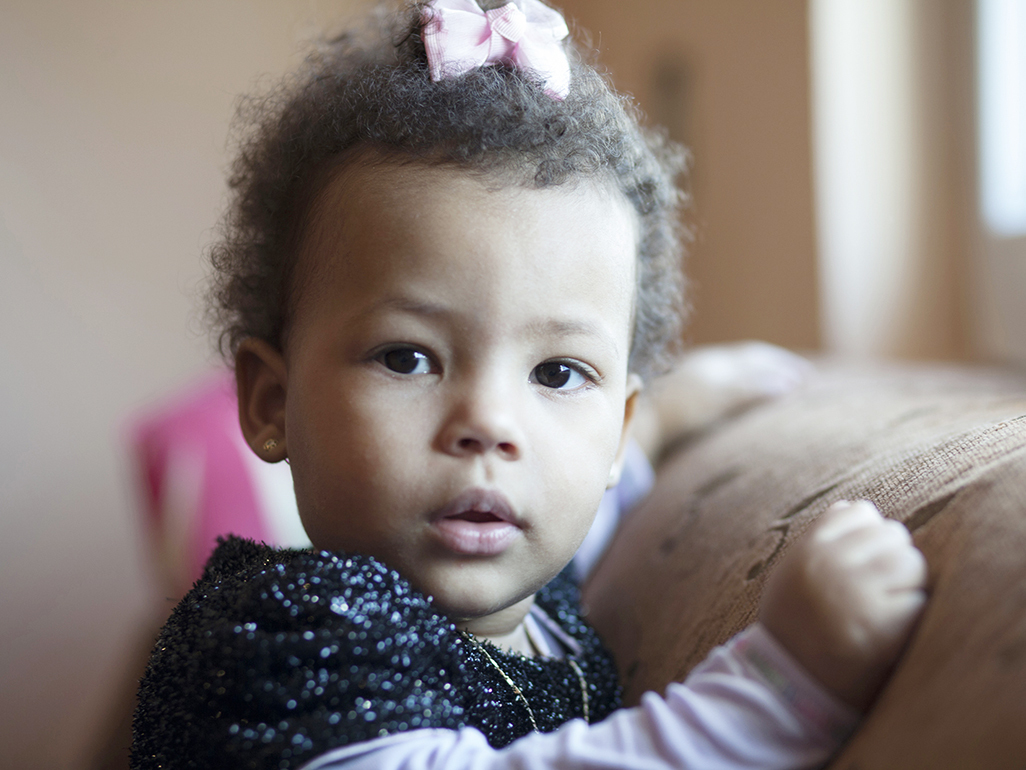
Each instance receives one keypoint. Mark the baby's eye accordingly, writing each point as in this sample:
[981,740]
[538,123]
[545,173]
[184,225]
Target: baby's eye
[556,374]
[406,361]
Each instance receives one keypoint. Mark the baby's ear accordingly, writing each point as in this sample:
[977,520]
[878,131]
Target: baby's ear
[634,388]
[261,378]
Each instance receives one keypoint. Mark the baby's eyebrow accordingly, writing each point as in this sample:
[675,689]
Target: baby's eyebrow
[566,327]
[541,327]
[412,306]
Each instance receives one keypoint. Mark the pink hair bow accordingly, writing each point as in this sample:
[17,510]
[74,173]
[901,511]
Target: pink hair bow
[460,37]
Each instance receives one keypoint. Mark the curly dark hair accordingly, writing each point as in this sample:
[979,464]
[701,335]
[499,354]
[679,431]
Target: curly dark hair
[370,89]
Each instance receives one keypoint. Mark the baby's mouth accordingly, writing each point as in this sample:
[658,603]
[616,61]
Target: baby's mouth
[479,522]
[476,516]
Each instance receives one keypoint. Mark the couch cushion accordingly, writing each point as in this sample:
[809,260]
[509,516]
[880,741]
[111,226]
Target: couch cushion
[942,449]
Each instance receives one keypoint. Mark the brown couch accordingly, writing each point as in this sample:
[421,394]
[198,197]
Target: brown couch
[941,449]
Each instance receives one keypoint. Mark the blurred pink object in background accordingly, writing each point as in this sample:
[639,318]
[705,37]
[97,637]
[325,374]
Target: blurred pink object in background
[199,480]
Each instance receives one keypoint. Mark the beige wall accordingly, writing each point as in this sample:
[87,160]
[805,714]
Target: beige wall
[112,136]
[856,275]
[731,78]
[893,126]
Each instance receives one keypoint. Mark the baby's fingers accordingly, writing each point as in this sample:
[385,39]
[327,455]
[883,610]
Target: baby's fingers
[846,516]
[904,603]
[905,568]
[878,552]
[887,554]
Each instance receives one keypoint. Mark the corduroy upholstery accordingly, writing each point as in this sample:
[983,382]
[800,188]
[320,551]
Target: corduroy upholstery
[942,449]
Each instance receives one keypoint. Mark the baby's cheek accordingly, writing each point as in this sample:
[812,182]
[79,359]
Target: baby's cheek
[330,501]
[584,474]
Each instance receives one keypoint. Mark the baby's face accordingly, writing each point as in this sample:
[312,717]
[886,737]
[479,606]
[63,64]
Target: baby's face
[457,388]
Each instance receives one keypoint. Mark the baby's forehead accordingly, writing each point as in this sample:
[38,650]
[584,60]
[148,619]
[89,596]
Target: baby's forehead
[399,190]
[381,223]
[391,175]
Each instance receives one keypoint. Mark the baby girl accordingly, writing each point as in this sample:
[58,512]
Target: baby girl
[451,262]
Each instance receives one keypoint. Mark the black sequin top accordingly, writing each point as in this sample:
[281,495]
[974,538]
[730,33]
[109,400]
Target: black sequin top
[277,656]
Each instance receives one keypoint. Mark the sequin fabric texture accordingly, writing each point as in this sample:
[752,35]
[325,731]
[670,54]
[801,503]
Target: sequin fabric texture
[276,656]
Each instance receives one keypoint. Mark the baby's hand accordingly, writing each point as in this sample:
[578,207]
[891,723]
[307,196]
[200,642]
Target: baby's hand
[743,373]
[713,382]
[845,598]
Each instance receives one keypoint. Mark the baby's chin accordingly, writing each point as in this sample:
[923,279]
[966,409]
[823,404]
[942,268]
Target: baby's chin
[481,606]
[493,622]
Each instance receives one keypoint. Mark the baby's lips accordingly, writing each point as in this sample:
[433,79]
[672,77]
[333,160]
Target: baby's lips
[479,523]
[479,504]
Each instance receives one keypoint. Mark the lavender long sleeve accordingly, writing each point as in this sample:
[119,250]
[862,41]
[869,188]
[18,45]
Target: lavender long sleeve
[748,705]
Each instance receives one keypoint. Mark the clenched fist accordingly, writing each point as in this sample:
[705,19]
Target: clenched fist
[845,597]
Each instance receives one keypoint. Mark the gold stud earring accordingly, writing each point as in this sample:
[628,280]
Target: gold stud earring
[270,444]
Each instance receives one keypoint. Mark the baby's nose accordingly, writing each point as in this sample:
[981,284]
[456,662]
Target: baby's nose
[481,442]
[480,423]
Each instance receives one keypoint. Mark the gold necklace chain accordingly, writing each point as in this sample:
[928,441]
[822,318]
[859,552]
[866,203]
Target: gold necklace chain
[584,688]
[512,685]
[573,664]
[519,693]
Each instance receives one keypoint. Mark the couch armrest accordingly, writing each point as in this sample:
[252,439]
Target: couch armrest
[942,449]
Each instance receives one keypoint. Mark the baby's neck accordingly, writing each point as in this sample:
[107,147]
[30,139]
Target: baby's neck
[505,628]
[516,641]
